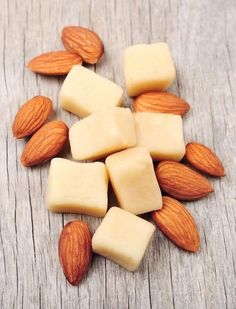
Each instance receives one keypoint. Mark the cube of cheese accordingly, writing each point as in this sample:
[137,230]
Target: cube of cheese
[133,179]
[123,238]
[85,92]
[77,187]
[148,67]
[102,133]
[161,134]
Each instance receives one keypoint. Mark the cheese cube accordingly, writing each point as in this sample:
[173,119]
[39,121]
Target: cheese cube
[148,67]
[161,134]
[102,133]
[133,179]
[77,187]
[123,238]
[85,92]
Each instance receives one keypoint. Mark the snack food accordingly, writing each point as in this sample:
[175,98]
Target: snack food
[84,42]
[133,179]
[161,134]
[102,133]
[84,92]
[54,63]
[77,187]
[45,144]
[123,238]
[148,67]
[160,102]
[204,159]
[155,132]
[75,250]
[31,116]
[176,222]
[181,182]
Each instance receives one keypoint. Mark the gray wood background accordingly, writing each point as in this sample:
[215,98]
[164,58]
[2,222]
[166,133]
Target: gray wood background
[202,38]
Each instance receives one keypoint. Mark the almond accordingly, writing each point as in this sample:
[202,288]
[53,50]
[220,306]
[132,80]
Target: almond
[45,143]
[31,116]
[160,102]
[174,220]
[204,159]
[54,63]
[181,182]
[75,250]
[83,42]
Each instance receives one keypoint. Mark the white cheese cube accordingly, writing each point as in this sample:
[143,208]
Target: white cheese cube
[134,181]
[102,133]
[161,134]
[148,67]
[77,187]
[85,92]
[123,238]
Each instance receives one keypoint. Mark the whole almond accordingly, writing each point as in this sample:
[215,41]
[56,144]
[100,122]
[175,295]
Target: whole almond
[181,182]
[54,63]
[83,42]
[75,250]
[174,220]
[160,102]
[31,116]
[45,144]
[204,159]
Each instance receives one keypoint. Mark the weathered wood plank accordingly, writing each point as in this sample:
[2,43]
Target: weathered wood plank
[202,38]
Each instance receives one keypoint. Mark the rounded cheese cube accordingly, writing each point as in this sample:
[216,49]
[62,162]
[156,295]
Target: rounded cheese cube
[102,133]
[85,92]
[134,181]
[161,134]
[77,187]
[148,67]
[123,238]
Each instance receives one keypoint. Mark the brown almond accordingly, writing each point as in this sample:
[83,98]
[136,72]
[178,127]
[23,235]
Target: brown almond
[31,116]
[175,221]
[83,42]
[75,250]
[181,182]
[160,102]
[204,159]
[45,144]
[54,63]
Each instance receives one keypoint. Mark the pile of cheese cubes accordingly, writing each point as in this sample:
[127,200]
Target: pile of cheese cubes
[129,142]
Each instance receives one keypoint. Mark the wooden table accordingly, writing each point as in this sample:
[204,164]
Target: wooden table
[202,38]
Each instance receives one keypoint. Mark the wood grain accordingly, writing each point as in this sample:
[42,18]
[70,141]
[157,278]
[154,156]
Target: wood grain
[201,35]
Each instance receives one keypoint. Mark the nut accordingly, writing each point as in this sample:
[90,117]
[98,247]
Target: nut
[75,250]
[83,42]
[45,143]
[31,116]
[204,159]
[54,63]
[160,102]
[174,220]
[181,182]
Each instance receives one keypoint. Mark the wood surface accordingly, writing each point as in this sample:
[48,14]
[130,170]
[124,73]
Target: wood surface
[202,38]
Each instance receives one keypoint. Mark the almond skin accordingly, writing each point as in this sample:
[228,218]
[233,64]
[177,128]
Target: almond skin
[31,116]
[204,159]
[83,42]
[181,182]
[54,63]
[160,102]
[45,144]
[75,250]
[174,220]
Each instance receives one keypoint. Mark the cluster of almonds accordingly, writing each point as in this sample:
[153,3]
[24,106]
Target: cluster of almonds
[177,180]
